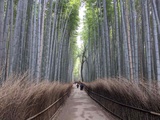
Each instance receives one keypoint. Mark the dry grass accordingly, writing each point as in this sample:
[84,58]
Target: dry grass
[20,99]
[128,93]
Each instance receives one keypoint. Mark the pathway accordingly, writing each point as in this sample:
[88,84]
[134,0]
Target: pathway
[79,106]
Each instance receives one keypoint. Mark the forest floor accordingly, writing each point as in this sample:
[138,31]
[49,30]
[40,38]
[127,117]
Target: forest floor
[79,106]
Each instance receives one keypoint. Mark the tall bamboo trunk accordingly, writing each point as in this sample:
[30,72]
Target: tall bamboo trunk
[156,46]
[117,38]
[41,45]
[148,44]
[126,50]
[1,31]
[107,39]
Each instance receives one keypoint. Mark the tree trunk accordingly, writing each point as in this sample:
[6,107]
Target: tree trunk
[148,45]
[156,46]
[41,47]
[107,39]
[135,37]
[1,31]
[117,38]
[126,54]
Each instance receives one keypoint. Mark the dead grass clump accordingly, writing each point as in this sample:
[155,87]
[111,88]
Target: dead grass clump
[20,99]
[127,93]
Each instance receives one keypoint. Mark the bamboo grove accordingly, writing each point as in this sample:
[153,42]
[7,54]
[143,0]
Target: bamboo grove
[122,39]
[37,36]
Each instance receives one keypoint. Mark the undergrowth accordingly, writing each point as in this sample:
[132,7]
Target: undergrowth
[142,96]
[21,99]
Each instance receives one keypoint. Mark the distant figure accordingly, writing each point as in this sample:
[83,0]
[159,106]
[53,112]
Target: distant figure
[81,86]
[77,85]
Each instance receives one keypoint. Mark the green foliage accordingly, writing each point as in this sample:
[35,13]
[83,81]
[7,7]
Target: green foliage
[93,17]
[110,10]
[73,18]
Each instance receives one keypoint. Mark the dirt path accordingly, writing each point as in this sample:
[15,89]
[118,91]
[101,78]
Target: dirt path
[80,106]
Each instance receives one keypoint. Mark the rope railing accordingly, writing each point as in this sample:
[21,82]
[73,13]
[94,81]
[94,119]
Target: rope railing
[107,109]
[46,109]
[119,103]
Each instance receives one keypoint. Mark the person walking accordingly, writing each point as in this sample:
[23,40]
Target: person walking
[81,86]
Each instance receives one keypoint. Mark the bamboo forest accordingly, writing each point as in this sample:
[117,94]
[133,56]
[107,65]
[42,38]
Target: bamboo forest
[79,59]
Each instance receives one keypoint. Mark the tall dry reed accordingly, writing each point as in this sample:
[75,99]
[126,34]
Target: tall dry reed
[129,93]
[21,99]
